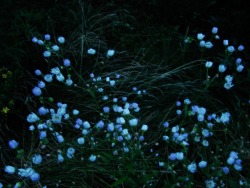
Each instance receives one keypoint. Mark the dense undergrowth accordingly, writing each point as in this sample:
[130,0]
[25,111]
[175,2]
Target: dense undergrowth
[106,105]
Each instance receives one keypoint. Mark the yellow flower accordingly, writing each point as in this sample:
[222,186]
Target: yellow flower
[4,75]
[5,110]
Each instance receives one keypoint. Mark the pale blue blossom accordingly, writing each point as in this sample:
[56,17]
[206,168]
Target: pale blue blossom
[69,82]
[46,53]
[34,39]
[86,125]
[48,77]
[47,36]
[228,85]
[202,164]
[75,112]
[110,53]
[70,152]
[229,78]
[222,68]
[225,170]
[56,118]
[192,167]
[60,77]
[35,177]
[172,157]
[92,158]
[13,144]
[55,48]
[209,64]
[61,39]
[66,62]
[25,172]
[200,36]
[144,127]
[240,68]
[187,101]
[42,135]
[133,122]
[81,140]
[202,43]
[37,91]
[10,169]
[38,72]
[41,84]
[215,30]
[230,49]
[37,159]
[210,184]
[205,143]
[225,117]
[60,158]
[91,51]
[238,61]
[179,155]
[225,42]
[32,118]
[120,120]
[208,45]
[100,124]
[40,42]
[241,48]
[111,127]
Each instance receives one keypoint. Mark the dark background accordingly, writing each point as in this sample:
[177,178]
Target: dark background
[22,19]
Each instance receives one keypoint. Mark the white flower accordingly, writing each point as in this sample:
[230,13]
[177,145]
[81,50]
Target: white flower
[209,64]
[200,36]
[69,82]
